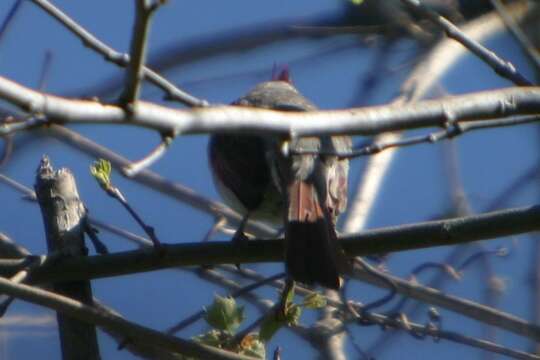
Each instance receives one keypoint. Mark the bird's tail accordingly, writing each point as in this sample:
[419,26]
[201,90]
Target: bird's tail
[312,254]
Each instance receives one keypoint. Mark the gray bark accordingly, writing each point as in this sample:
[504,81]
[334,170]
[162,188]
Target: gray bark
[64,219]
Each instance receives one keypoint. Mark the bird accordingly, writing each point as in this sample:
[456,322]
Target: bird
[305,190]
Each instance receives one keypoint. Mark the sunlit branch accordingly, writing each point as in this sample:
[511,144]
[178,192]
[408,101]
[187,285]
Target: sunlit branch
[491,105]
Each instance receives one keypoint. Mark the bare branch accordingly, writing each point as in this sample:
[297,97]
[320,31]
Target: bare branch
[136,167]
[89,40]
[13,11]
[422,293]
[11,127]
[501,67]
[518,34]
[237,293]
[144,10]
[155,181]
[399,238]
[121,263]
[100,318]
[361,121]
[444,55]
[10,249]
[145,177]
[101,170]
[477,311]
[421,331]
[450,132]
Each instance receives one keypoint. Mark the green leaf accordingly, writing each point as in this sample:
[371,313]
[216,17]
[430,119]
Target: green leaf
[224,314]
[252,345]
[289,296]
[101,171]
[293,315]
[314,301]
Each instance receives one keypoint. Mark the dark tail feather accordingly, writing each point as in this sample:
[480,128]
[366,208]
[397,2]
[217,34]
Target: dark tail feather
[312,254]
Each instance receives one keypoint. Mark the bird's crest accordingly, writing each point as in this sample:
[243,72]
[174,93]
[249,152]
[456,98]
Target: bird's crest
[281,73]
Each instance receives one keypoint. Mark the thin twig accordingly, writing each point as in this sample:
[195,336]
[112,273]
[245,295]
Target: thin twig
[501,67]
[115,193]
[155,181]
[445,269]
[383,278]
[144,10]
[172,92]
[479,312]
[452,131]
[201,48]
[392,321]
[136,167]
[481,254]
[129,329]
[10,249]
[428,72]
[13,11]
[45,70]
[419,331]
[517,33]
[145,177]
[9,128]
[237,293]
[458,252]
[22,275]
[7,150]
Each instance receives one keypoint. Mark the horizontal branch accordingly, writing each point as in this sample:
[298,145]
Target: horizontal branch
[399,238]
[362,121]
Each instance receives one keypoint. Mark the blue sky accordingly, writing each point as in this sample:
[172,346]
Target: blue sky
[329,74]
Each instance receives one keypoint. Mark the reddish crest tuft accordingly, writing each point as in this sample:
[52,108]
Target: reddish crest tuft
[281,73]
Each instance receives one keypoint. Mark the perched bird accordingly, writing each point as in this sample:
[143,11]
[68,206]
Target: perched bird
[304,191]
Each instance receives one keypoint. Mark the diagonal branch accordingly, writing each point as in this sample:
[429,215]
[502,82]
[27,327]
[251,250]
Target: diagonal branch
[148,178]
[116,323]
[522,39]
[501,67]
[116,57]
[136,167]
[443,56]
[420,332]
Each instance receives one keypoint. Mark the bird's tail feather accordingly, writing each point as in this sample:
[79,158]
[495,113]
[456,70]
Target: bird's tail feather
[312,253]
